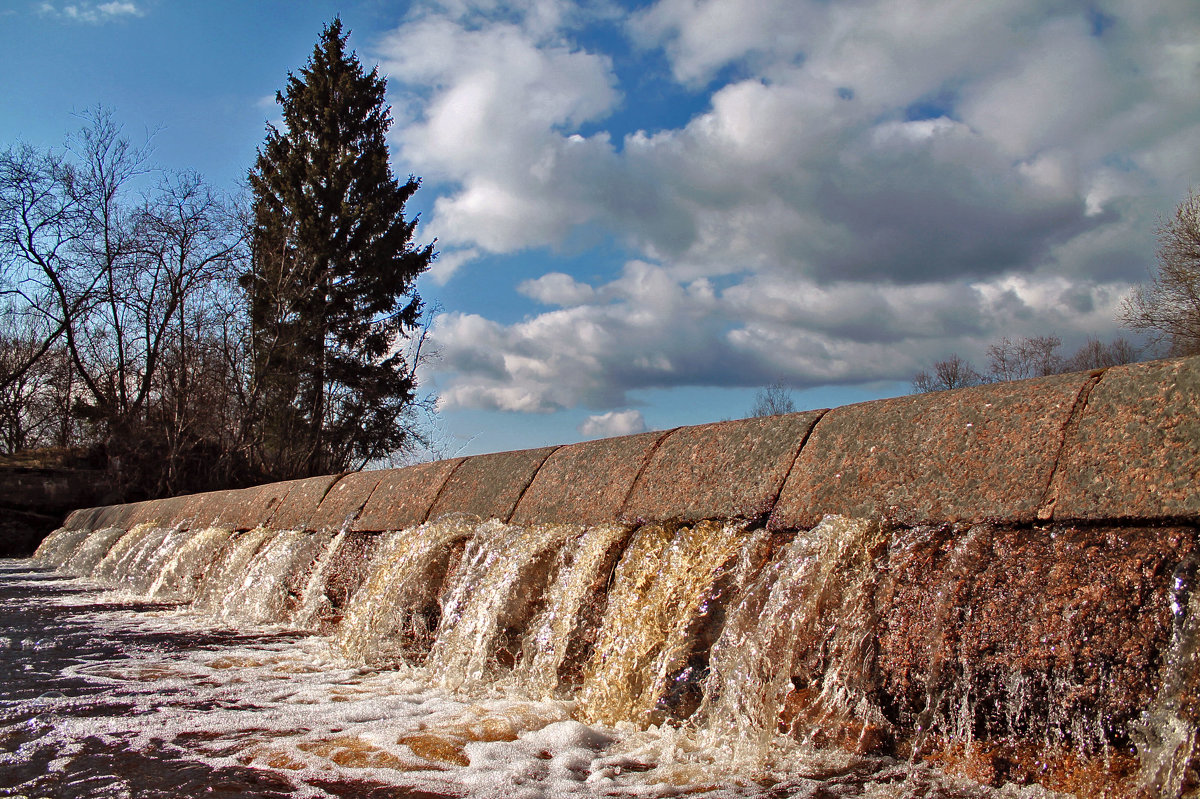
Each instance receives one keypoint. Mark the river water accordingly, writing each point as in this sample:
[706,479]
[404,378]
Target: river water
[106,694]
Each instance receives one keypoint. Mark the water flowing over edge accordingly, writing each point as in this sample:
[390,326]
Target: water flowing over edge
[981,649]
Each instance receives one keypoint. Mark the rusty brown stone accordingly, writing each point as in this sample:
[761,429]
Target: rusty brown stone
[1063,625]
[345,499]
[296,510]
[1135,453]
[199,511]
[118,515]
[725,470]
[83,519]
[489,486]
[247,508]
[586,483]
[347,572]
[404,496]
[806,717]
[976,453]
[160,512]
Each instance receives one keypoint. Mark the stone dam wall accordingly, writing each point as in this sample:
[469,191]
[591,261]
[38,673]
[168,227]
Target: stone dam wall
[1120,445]
[1001,579]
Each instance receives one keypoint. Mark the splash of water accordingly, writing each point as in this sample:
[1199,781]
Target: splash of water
[392,617]
[662,589]
[180,577]
[494,592]
[89,554]
[557,637]
[1170,729]
[59,545]
[798,644]
[230,570]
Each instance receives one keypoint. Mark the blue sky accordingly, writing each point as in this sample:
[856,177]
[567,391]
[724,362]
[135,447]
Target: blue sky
[647,210]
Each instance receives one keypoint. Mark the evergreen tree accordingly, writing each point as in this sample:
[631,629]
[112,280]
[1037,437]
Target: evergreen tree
[331,286]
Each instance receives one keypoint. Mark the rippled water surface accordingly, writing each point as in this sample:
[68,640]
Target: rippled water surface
[106,695]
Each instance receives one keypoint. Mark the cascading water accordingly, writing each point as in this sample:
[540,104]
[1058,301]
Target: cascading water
[495,590]
[809,670]
[662,588]
[1170,740]
[713,657]
[392,617]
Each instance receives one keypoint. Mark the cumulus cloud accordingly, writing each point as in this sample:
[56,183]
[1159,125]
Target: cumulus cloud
[877,184]
[613,423]
[93,13]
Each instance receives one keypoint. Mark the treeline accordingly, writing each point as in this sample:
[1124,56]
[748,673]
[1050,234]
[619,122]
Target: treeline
[1021,358]
[1166,310]
[186,340]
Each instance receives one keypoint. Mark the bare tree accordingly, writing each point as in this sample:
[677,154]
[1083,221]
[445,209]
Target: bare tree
[773,400]
[953,372]
[1168,307]
[1025,357]
[35,393]
[42,222]
[137,294]
[1095,354]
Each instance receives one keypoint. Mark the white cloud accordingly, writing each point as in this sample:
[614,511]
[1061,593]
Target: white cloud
[613,423]
[91,12]
[881,184]
[649,329]
[449,261]
[557,288]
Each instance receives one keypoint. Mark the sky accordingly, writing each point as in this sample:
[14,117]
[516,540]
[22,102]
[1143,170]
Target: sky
[647,210]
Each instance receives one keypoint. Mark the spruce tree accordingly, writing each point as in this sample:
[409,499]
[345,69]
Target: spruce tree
[331,286]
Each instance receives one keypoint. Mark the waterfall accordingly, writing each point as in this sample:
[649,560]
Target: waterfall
[810,668]
[182,574]
[856,635]
[392,617]
[1170,742]
[664,588]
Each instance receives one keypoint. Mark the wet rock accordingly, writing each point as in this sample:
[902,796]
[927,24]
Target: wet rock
[998,632]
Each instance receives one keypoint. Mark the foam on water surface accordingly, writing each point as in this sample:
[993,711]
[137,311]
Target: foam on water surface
[712,658]
[118,696]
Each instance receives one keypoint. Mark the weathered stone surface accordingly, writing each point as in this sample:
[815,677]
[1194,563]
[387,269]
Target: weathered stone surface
[586,483]
[1059,629]
[725,470]
[199,511]
[116,515]
[404,496]
[984,452]
[160,512]
[489,486]
[83,519]
[345,499]
[247,508]
[296,510]
[1135,453]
